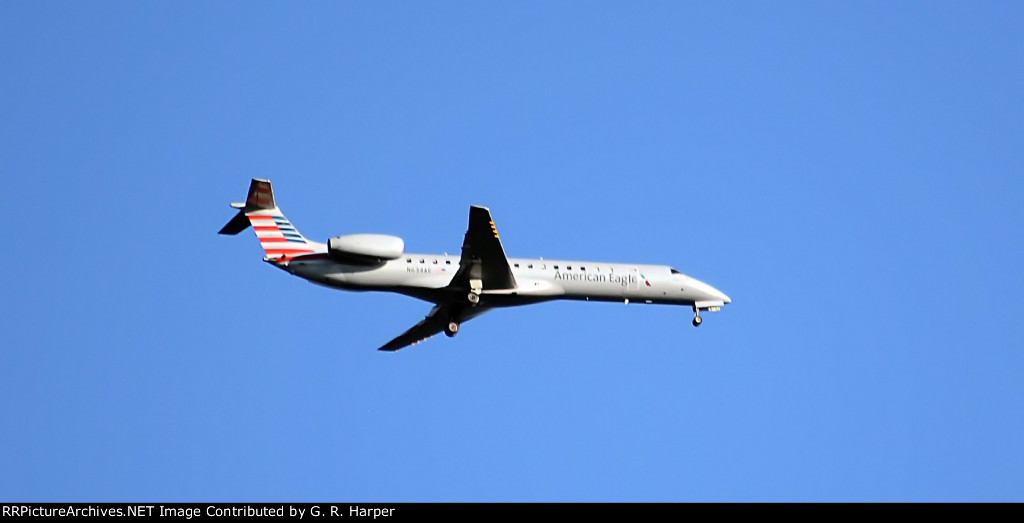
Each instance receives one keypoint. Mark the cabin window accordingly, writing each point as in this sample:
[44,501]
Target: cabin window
[568,268]
[530,266]
[447,262]
[408,260]
[583,268]
[435,262]
[422,260]
[555,267]
[516,265]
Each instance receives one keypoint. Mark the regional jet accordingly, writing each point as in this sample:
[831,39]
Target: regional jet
[460,287]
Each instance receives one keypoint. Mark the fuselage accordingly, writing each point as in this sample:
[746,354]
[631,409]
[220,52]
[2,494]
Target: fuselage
[427,277]
[482,277]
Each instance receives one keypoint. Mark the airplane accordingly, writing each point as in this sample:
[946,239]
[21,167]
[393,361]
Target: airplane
[460,287]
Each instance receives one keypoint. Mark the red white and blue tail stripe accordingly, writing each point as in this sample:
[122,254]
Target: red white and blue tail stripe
[278,237]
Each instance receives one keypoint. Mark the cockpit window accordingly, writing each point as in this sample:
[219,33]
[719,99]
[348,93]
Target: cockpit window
[675,271]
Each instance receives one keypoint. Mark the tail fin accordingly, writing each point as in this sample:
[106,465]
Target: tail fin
[278,237]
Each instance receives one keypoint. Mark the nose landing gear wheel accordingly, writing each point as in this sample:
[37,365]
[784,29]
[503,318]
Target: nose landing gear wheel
[697,319]
[452,329]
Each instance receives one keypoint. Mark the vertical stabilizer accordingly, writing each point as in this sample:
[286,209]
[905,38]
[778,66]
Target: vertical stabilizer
[278,237]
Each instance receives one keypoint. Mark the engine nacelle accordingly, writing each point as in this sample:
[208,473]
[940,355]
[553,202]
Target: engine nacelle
[365,248]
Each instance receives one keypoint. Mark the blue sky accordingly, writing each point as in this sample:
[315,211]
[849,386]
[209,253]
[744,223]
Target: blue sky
[850,174]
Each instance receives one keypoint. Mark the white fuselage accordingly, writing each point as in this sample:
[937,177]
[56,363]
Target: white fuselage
[427,276]
[461,287]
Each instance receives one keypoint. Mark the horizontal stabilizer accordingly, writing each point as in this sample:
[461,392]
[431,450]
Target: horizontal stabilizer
[260,197]
[237,224]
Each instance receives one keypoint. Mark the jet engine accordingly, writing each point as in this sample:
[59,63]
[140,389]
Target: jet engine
[365,248]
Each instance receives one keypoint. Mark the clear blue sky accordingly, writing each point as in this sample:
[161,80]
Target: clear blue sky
[849,173]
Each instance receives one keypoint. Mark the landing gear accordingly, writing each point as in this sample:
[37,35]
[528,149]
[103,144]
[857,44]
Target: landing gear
[696,317]
[452,329]
[475,288]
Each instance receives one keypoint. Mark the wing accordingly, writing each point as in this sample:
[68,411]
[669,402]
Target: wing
[483,257]
[429,326]
[434,323]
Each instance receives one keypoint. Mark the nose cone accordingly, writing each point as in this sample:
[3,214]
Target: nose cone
[723,296]
[710,293]
[716,294]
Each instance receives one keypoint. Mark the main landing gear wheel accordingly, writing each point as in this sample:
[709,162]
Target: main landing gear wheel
[473,298]
[452,329]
